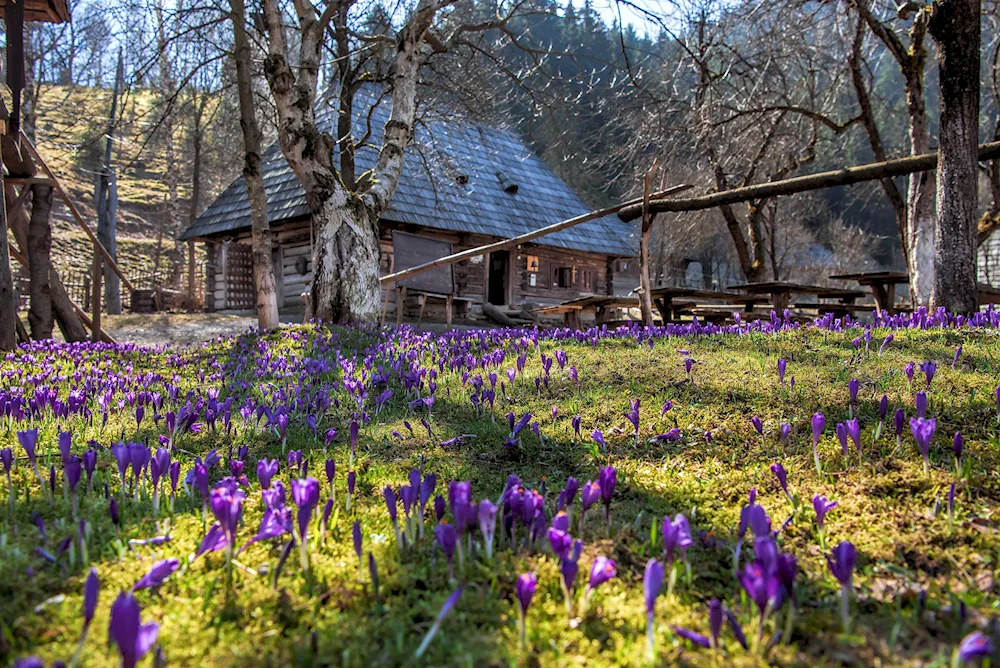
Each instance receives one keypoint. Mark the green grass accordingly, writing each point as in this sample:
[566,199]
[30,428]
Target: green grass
[886,510]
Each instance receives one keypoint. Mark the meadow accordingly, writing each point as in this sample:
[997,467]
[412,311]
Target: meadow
[765,493]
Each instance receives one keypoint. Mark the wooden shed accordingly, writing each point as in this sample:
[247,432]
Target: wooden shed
[463,185]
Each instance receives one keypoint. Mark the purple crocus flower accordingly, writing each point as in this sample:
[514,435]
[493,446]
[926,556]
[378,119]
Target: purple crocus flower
[822,506]
[561,542]
[305,493]
[447,538]
[854,431]
[524,589]
[157,575]
[126,630]
[818,425]
[957,444]
[841,563]
[853,386]
[779,472]
[575,421]
[923,433]
[28,440]
[975,646]
[921,403]
[908,370]
[598,438]
[266,469]
[841,431]
[91,590]
[602,570]
[589,494]
[487,524]
[607,478]
[652,584]
[676,536]
[885,342]
[929,368]
[757,425]
[782,365]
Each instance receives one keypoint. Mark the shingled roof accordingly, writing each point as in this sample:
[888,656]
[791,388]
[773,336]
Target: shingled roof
[458,176]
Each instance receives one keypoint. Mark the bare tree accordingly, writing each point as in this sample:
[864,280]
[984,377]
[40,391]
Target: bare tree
[917,233]
[263,269]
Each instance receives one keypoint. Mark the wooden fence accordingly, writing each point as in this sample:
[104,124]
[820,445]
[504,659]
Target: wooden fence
[78,286]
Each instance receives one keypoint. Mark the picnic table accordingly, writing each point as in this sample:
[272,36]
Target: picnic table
[882,283]
[665,300]
[780,291]
[602,306]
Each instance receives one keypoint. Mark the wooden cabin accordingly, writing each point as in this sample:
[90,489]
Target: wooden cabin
[463,186]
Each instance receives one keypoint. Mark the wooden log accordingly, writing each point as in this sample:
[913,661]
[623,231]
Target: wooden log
[838,177]
[95,295]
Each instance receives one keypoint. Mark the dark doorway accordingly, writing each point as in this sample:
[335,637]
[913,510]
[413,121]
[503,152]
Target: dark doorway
[496,291]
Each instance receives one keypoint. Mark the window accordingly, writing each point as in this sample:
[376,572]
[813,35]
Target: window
[533,263]
[565,277]
[587,280]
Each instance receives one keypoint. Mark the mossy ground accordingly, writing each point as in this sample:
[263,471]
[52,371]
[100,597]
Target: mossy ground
[886,508]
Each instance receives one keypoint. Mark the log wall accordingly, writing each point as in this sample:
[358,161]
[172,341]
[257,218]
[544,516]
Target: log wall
[587,273]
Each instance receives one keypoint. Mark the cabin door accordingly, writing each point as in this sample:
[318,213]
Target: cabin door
[499,278]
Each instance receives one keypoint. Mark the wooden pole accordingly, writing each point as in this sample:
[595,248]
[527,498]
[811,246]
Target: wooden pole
[839,177]
[190,295]
[645,299]
[8,305]
[524,238]
[76,213]
[95,296]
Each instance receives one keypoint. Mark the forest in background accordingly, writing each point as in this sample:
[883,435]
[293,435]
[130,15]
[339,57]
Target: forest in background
[706,92]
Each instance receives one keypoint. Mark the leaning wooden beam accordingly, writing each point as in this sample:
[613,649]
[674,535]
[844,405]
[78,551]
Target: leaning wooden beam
[76,213]
[799,184]
[70,317]
[524,238]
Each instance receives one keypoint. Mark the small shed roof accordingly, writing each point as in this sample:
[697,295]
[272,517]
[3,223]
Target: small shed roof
[458,176]
[46,11]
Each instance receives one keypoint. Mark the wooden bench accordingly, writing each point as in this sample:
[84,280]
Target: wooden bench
[419,299]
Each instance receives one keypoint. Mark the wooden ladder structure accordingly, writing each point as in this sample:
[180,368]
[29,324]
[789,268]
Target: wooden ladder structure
[21,164]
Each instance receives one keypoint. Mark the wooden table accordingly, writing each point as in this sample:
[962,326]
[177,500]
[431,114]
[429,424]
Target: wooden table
[882,283]
[663,298]
[602,306]
[781,290]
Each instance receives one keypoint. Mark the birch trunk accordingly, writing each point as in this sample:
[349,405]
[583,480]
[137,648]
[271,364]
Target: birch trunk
[260,228]
[919,204]
[955,26]
[346,250]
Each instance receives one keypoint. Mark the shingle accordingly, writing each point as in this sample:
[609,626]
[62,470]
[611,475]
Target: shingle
[428,193]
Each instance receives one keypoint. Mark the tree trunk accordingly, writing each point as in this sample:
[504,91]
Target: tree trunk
[39,261]
[8,306]
[955,26]
[346,255]
[260,228]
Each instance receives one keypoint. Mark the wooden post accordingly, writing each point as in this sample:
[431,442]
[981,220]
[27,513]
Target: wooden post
[95,296]
[190,296]
[8,306]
